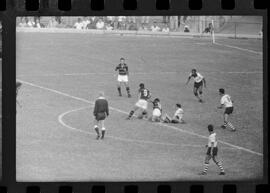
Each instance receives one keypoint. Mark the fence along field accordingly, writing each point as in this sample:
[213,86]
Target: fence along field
[62,73]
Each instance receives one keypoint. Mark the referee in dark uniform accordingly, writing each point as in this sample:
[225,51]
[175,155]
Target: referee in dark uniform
[101,111]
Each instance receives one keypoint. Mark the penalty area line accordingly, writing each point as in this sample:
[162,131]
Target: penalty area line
[238,48]
[118,110]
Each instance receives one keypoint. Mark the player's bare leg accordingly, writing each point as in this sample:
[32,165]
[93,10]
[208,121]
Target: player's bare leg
[195,91]
[128,89]
[200,94]
[132,112]
[102,129]
[119,89]
[96,129]
[219,164]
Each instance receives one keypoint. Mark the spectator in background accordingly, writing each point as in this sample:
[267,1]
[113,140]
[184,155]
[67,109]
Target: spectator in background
[109,27]
[186,28]
[145,20]
[154,27]
[100,24]
[121,22]
[78,24]
[29,22]
[23,23]
[85,23]
[166,28]
[132,26]
[52,22]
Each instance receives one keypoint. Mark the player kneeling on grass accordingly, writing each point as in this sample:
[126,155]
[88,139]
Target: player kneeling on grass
[226,102]
[212,151]
[101,111]
[178,115]
[199,81]
[144,95]
[157,111]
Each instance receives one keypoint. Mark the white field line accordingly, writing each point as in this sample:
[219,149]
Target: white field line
[160,124]
[134,73]
[61,121]
[238,48]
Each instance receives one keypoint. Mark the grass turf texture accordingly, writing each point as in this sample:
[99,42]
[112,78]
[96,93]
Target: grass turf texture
[80,65]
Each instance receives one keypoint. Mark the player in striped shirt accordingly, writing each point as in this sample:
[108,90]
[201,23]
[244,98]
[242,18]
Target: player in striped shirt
[227,103]
[212,152]
[199,81]
[122,77]
[144,95]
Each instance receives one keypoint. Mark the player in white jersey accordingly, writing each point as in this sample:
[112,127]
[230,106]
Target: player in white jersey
[227,103]
[178,115]
[199,81]
[212,151]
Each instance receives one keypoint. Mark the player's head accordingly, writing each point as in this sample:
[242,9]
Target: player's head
[156,100]
[122,60]
[210,128]
[178,105]
[141,85]
[221,91]
[101,94]
[193,71]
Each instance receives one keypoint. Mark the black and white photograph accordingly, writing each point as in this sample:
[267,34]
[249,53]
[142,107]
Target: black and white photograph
[139,98]
[1,99]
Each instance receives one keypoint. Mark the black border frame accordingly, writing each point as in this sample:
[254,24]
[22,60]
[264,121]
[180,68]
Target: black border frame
[112,7]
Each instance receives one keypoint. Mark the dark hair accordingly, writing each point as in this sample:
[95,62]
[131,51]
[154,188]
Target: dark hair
[141,85]
[210,127]
[157,99]
[194,70]
[178,105]
[221,90]
[122,58]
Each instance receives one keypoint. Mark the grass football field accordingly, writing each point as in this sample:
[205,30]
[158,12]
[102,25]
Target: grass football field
[63,73]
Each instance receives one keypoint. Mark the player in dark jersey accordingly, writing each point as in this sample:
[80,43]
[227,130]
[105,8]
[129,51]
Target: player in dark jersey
[144,95]
[122,77]
[199,81]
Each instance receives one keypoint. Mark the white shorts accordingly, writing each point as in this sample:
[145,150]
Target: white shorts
[122,78]
[141,104]
[156,113]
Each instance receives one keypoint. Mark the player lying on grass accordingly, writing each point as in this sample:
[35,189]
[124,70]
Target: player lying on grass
[144,95]
[199,81]
[101,111]
[122,77]
[178,115]
[157,111]
[227,103]
[212,152]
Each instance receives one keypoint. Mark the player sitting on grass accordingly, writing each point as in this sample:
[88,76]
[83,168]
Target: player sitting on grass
[199,81]
[144,95]
[122,77]
[212,151]
[178,115]
[157,111]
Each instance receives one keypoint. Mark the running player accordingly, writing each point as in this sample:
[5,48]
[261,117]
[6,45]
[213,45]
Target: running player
[122,77]
[178,115]
[226,102]
[157,111]
[199,81]
[212,151]
[144,95]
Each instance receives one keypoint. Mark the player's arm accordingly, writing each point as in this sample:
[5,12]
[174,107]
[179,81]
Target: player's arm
[95,109]
[107,108]
[127,70]
[220,106]
[188,80]
[204,82]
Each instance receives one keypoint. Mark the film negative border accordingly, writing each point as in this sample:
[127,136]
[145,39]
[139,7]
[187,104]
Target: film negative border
[9,9]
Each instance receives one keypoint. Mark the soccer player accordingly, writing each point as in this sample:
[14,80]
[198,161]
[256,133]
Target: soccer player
[157,111]
[144,95]
[101,111]
[226,102]
[122,69]
[199,81]
[18,86]
[208,29]
[178,115]
[212,151]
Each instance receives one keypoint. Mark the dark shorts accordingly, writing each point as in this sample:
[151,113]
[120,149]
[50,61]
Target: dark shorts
[215,151]
[228,110]
[198,84]
[100,116]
